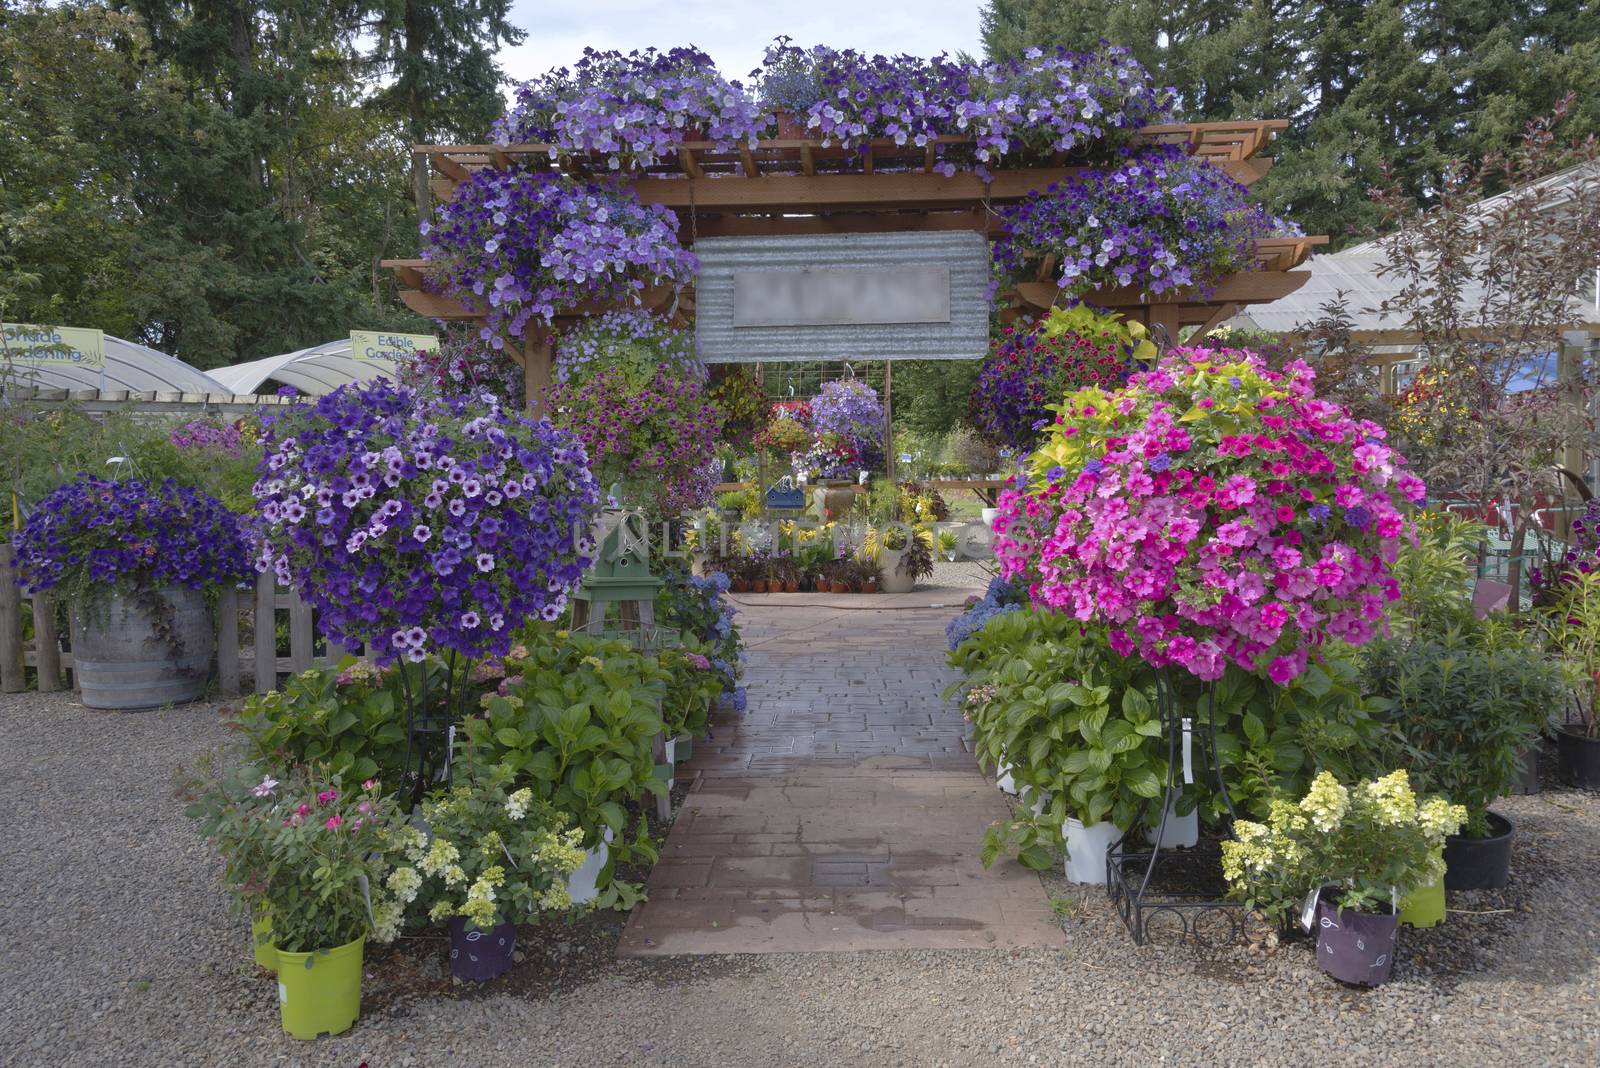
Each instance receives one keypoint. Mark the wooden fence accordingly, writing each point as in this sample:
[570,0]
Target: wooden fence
[262,662]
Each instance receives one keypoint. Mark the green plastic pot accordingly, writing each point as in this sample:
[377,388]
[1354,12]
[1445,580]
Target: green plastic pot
[1424,906]
[261,940]
[320,993]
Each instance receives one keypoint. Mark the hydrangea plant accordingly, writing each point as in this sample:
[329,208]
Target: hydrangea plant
[424,525]
[528,246]
[1374,841]
[93,537]
[1212,512]
[1161,221]
[489,856]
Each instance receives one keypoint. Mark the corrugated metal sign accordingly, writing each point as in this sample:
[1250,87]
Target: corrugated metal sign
[899,296]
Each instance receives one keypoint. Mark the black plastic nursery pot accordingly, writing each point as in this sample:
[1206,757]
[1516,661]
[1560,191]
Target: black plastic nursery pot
[1579,755]
[1355,947]
[478,955]
[1480,863]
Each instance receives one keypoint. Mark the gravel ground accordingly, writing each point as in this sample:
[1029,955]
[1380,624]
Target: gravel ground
[116,947]
[965,573]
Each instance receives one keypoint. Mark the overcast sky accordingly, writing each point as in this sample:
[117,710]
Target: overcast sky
[734,32]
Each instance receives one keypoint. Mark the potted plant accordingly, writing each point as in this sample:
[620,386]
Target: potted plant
[870,574]
[789,86]
[315,861]
[1357,850]
[487,859]
[232,806]
[905,554]
[1465,703]
[138,563]
[1575,625]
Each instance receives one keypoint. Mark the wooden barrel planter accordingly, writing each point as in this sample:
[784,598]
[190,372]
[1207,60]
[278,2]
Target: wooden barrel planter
[142,652]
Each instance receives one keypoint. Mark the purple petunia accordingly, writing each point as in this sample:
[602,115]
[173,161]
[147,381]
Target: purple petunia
[391,572]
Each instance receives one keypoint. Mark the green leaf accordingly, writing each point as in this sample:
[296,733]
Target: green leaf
[1136,706]
[509,737]
[1254,729]
[1315,681]
[1142,781]
[1119,737]
[1036,857]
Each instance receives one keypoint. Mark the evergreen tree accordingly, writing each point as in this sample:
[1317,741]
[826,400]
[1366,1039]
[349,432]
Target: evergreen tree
[1374,89]
[440,55]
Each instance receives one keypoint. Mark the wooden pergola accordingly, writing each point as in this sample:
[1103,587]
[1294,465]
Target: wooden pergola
[798,186]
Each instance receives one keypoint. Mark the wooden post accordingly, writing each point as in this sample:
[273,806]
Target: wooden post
[1165,316]
[266,633]
[761,453]
[658,753]
[12,676]
[1570,374]
[888,418]
[228,642]
[47,642]
[301,635]
[538,359]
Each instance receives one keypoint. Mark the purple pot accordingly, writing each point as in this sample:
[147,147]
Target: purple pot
[1355,947]
[480,955]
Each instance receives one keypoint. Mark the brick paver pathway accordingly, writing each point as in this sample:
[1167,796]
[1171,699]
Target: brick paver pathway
[843,810]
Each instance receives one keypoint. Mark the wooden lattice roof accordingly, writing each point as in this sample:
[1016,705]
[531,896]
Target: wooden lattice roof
[799,186]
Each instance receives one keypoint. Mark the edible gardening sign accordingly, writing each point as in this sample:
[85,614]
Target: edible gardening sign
[920,295]
[380,345]
[53,346]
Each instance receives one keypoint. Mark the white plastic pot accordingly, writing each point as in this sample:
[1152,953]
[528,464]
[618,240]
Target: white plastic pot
[989,515]
[584,884]
[1003,779]
[1040,802]
[1086,850]
[1180,832]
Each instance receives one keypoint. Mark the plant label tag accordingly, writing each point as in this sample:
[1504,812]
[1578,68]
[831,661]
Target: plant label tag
[1308,910]
[283,994]
[366,894]
[1188,751]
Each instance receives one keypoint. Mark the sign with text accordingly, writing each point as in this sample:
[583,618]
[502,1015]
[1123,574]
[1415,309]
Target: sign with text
[380,345]
[842,296]
[53,346]
[919,295]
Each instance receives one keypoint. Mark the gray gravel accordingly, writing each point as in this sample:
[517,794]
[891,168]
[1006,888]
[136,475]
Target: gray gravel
[116,947]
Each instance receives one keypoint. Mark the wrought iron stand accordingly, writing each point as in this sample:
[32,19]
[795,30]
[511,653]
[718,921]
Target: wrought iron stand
[1166,891]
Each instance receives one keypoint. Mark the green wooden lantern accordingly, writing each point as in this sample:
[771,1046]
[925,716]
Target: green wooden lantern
[620,574]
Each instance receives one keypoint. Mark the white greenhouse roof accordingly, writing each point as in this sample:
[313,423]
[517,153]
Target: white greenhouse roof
[1355,272]
[128,365]
[315,372]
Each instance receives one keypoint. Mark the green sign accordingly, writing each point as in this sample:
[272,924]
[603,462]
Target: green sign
[53,346]
[378,345]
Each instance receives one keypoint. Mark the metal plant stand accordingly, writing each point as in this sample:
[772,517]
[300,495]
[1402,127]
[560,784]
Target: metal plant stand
[1164,893]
